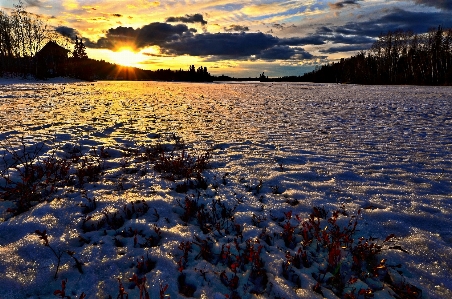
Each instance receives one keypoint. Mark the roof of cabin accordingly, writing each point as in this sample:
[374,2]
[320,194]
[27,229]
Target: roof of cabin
[52,48]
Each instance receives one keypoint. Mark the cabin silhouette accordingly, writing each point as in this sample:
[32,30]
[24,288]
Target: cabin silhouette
[51,60]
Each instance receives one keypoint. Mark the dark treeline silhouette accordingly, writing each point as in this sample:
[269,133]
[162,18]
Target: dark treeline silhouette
[399,57]
[109,71]
[91,69]
[194,75]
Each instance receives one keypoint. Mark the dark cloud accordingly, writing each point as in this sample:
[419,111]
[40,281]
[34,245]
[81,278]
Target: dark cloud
[67,32]
[236,28]
[302,55]
[397,19]
[352,40]
[196,18]
[343,35]
[222,44]
[441,4]
[180,40]
[159,33]
[284,53]
[117,15]
[277,52]
[324,30]
[151,34]
[117,36]
[361,35]
[236,46]
[302,41]
[342,4]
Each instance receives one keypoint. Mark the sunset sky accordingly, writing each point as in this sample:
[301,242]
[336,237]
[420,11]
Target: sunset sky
[239,38]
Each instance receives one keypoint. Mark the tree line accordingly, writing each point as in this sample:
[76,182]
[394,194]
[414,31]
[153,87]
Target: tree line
[397,57]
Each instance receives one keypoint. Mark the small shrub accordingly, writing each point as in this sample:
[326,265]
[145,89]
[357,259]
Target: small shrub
[58,253]
[181,165]
[26,179]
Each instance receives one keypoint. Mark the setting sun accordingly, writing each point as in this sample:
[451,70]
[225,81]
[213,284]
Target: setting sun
[127,57]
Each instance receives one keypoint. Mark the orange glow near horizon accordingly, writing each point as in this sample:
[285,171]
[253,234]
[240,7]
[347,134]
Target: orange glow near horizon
[127,57]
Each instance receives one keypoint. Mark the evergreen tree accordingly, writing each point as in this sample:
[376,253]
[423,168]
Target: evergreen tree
[79,49]
[80,64]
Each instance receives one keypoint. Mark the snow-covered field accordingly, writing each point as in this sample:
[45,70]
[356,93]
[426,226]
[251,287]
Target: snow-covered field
[277,154]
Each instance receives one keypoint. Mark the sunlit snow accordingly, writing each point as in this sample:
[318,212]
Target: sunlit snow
[276,147]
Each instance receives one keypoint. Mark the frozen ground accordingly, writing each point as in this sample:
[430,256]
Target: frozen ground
[276,149]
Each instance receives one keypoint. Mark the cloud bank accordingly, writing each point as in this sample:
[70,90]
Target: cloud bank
[175,40]
[68,32]
[196,18]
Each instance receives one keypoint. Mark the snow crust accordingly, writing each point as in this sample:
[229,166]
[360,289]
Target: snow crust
[384,149]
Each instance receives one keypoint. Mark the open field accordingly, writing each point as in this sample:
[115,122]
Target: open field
[245,190]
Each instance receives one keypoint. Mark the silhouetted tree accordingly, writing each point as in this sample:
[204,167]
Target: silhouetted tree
[262,77]
[80,64]
[79,49]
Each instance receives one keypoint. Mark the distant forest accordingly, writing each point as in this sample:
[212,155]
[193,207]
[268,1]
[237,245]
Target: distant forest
[399,57]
